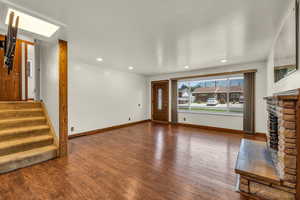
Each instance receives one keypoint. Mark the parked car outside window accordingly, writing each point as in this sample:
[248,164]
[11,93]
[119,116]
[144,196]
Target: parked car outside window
[242,100]
[212,102]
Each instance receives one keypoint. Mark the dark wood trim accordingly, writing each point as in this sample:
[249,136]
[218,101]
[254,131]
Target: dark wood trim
[283,67]
[226,130]
[22,41]
[152,99]
[27,42]
[297,34]
[102,130]
[161,81]
[216,74]
[287,95]
[163,122]
[248,196]
[19,43]
[258,135]
[254,105]
[19,46]
[298,146]
[26,72]
[63,98]
[174,101]
[211,128]
[262,135]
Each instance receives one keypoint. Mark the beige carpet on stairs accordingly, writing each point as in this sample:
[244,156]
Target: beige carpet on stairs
[26,136]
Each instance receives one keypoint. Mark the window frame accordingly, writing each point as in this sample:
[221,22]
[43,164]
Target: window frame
[228,92]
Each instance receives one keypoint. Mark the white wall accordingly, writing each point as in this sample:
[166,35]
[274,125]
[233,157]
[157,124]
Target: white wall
[288,83]
[100,97]
[50,80]
[231,122]
[32,78]
[221,121]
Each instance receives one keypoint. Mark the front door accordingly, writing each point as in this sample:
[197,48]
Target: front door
[10,85]
[160,101]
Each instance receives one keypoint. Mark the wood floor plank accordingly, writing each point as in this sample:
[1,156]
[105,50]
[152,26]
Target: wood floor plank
[146,161]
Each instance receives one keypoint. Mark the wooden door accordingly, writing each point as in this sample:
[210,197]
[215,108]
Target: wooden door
[160,101]
[10,85]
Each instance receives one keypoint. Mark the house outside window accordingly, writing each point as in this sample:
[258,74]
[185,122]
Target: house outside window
[212,95]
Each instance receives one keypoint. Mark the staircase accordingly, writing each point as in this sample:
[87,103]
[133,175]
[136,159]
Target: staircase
[26,135]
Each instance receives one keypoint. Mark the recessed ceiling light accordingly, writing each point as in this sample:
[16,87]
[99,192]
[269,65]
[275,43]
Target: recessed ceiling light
[33,24]
[224,61]
[186,67]
[99,59]
[130,68]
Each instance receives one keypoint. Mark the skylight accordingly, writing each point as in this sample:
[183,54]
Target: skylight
[33,24]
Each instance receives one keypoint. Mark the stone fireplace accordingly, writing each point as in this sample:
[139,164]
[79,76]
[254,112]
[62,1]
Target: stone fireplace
[281,137]
[277,159]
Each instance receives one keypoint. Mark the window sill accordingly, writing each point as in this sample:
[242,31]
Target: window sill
[213,113]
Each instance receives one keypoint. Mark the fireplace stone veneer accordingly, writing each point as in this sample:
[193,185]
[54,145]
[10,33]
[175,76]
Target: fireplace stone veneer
[281,147]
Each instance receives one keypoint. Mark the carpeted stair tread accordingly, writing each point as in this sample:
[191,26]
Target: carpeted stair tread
[19,105]
[22,110]
[24,141]
[24,154]
[26,158]
[26,137]
[21,119]
[26,112]
[22,130]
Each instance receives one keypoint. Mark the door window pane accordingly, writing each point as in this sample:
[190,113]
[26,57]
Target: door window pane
[159,99]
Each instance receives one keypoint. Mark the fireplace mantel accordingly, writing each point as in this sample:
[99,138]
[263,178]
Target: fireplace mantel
[282,147]
[286,95]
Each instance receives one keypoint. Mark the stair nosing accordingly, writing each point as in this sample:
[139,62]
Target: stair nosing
[24,141]
[21,110]
[22,129]
[18,119]
[20,102]
[34,108]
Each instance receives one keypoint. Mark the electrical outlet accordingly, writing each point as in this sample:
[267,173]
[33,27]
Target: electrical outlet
[72,128]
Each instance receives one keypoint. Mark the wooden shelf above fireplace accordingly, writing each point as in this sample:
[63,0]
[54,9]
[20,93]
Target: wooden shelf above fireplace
[287,95]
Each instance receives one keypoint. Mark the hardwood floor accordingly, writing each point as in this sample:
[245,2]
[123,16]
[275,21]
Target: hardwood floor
[144,161]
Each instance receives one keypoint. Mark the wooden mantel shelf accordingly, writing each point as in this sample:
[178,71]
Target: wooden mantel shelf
[287,95]
[254,160]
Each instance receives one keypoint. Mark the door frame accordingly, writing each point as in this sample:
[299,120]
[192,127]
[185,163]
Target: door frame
[26,71]
[152,100]
[26,43]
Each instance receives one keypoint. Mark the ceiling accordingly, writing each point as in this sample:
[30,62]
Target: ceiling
[156,36]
